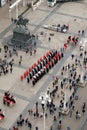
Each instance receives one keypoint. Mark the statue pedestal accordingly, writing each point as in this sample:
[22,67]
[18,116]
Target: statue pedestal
[21,37]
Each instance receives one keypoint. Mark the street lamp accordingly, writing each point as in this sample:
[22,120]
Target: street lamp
[37,108]
[44,97]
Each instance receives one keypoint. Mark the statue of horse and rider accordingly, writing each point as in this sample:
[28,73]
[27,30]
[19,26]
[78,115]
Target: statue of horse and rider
[22,22]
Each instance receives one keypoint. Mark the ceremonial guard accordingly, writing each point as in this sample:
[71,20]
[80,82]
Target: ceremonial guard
[28,79]
[30,75]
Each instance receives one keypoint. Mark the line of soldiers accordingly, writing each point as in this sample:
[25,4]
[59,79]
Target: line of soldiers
[43,67]
[74,39]
[70,39]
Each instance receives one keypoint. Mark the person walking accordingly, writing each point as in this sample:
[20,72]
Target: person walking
[11,69]
[77,114]
[34,51]
[49,39]
[72,56]
[70,113]
[30,53]
[83,110]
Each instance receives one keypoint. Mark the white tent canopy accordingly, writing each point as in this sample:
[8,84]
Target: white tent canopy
[15,5]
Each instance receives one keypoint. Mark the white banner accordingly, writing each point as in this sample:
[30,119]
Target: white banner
[3,2]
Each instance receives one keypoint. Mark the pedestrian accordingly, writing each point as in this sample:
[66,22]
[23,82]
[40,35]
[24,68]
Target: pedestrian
[14,128]
[26,121]
[69,40]
[82,32]
[77,114]
[11,69]
[0,50]
[35,44]
[79,33]
[54,118]
[34,51]
[28,79]
[37,36]
[18,123]
[29,111]
[20,58]
[10,53]
[36,128]
[29,125]
[84,105]
[70,113]
[70,87]
[59,126]
[85,52]
[61,72]
[73,107]
[63,68]
[81,54]
[61,85]
[27,50]
[20,117]
[62,55]
[51,128]
[72,56]
[60,121]
[16,53]
[30,53]
[83,110]
[49,39]
[59,114]
[12,20]
[19,62]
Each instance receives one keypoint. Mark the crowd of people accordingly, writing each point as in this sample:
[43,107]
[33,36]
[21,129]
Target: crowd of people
[73,79]
[8,99]
[42,67]
[6,67]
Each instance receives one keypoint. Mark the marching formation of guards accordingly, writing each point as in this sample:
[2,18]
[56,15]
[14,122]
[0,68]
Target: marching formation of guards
[37,71]
[43,66]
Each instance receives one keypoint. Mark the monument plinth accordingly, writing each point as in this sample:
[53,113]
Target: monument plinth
[21,35]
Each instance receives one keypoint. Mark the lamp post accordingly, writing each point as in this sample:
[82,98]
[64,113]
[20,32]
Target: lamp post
[44,97]
[37,108]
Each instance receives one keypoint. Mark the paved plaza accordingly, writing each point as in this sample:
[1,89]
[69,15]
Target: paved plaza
[73,14]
